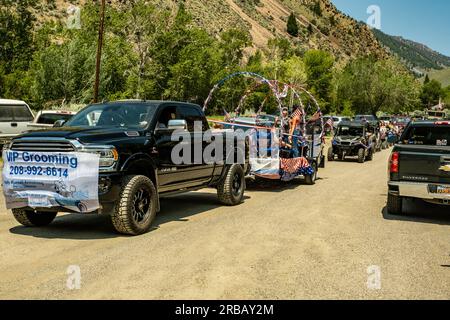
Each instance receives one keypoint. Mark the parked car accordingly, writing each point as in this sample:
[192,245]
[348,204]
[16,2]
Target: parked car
[338,119]
[14,117]
[352,139]
[419,165]
[133,139]
[47,118]
[368,118]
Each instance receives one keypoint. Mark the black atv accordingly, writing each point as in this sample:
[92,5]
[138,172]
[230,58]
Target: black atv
[353,139]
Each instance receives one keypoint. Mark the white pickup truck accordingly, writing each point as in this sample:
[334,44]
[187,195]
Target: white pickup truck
[46,119]
[15,115]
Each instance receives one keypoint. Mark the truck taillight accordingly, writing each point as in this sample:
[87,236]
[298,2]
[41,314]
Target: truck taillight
[442,123]
[393,162]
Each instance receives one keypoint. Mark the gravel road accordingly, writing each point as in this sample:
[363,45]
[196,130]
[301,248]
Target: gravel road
[287,241]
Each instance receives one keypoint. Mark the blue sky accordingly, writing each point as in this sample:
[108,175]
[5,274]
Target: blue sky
[424,21]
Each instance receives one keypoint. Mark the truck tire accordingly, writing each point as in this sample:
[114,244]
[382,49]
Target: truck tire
[311,179]
[134,212]
[230,189]
[330,155]
[361,155]
[33,219]
[395,204]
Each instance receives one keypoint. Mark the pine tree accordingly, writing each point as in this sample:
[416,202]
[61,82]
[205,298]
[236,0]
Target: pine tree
[292,26]
[317,9]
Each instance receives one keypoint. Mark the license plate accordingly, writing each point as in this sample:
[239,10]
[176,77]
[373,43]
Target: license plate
[439,189]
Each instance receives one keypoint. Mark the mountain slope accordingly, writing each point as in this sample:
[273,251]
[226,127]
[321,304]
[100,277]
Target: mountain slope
[413,54]
[443,76]
[322,26]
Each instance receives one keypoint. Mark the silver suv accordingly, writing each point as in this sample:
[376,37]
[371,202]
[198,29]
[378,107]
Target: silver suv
[14,118]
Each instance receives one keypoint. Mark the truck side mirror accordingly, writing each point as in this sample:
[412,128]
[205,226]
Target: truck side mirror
[59,123]
[177,124]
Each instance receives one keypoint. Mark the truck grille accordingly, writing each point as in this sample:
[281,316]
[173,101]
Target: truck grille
[43,146]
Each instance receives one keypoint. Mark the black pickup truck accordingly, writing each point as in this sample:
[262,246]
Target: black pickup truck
[420,165]
[134,141]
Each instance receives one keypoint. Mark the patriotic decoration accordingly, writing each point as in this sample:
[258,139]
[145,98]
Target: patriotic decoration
[292,168]
[297,113]
[270,154]
[330,123]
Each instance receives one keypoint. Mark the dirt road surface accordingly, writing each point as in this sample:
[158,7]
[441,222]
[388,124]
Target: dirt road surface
[285,242]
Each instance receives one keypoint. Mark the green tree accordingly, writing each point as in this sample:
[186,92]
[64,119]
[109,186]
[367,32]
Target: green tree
[16,46]
[231,45]
[373,86]
[292,26]
[317,8]
[295,71]
[447,96]
[431,93]
[192,76]
[319,70]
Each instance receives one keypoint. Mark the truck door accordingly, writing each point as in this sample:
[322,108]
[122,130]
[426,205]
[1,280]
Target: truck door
[173,176]
[197,171]
[167,171]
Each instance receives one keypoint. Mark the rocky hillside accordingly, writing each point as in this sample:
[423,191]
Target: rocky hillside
[413,54]
[322,26]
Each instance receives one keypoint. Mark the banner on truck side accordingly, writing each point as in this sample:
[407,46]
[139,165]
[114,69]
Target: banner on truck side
[51,179]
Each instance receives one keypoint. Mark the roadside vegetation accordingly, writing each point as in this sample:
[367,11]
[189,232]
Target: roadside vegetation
[151,52]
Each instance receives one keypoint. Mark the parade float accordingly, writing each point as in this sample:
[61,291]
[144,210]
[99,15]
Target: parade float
[276,151]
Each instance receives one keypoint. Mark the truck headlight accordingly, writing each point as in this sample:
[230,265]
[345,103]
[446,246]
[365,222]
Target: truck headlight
[108,155]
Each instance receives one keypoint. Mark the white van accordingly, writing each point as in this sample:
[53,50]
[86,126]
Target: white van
[14,118]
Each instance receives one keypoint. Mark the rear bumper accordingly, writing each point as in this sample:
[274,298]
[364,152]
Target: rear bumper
[418,190]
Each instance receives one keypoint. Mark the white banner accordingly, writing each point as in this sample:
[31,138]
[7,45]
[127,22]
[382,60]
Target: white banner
[51,179]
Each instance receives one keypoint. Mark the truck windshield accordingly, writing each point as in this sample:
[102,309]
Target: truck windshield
[428,135]
[113,115]
[350,131]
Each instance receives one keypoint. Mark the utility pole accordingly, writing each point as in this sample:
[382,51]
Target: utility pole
[99,50]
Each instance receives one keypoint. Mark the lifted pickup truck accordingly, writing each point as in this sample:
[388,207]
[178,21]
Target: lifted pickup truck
[134,142]
[420,165]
